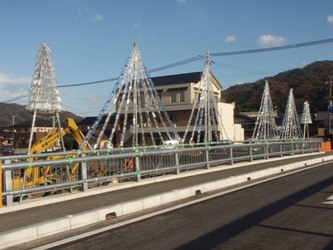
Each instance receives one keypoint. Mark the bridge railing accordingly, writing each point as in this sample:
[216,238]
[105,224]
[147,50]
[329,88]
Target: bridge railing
[25,176]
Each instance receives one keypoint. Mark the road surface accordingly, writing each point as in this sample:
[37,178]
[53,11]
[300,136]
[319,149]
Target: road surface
[285,213]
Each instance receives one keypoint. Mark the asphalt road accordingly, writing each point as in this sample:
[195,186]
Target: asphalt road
[285,213]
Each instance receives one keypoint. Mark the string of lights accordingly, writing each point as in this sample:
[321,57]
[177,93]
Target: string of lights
[194,59]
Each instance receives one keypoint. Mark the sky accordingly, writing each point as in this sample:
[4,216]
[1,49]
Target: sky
[91,40]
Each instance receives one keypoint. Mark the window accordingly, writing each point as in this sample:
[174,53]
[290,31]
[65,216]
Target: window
[182,96]
[173,96]
[174,118]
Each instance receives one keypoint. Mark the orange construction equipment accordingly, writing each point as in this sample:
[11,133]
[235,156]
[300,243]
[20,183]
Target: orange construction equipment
[326,146]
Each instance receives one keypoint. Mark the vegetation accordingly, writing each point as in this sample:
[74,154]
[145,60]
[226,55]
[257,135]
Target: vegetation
[16,113]
[308,84]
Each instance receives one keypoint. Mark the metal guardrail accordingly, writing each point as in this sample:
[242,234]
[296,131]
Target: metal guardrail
[25,176]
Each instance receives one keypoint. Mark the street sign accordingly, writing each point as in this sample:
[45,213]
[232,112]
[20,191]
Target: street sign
[330,109]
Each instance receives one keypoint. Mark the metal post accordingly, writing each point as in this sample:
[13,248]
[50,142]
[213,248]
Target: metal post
[267,150]
[137,169]
[177,163]
[329,113]
[8,179]
[329,83]
[231,155]
[207,157]
[83,174]
[251,154]
[1,184]
[281,149]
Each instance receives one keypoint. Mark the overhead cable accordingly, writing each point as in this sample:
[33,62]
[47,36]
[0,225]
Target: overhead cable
[199,57]
[291,46]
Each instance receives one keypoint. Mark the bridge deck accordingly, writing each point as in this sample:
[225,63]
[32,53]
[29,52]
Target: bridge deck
[49,208]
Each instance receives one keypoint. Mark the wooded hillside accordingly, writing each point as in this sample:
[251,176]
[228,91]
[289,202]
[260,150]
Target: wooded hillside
[308,84]
[18,113]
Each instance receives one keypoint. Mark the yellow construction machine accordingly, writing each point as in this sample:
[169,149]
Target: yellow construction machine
[37,176]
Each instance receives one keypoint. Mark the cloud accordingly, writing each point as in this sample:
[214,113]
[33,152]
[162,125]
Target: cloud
[87,13]
[184,2]
[304,63]
[272,41]
[96,18]
[92,98]
[137,23]
[12,86]
[330,19]
[230,39]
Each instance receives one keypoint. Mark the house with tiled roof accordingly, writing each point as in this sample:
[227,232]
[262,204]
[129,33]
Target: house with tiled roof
[178,94]
[22,132]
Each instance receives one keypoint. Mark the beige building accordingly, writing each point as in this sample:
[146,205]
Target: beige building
[22,132]
[178,94]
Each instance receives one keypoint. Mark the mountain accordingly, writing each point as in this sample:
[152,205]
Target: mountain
[15,113]
[308,83]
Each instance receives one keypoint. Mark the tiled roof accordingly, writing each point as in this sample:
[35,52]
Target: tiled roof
[38,123]
[88,121]
[177,79]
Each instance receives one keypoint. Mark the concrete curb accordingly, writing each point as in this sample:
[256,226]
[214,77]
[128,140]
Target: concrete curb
[48,228]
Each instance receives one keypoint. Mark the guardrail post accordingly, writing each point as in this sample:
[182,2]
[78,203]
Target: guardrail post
[292,147]
[137,168]
[231,155]
[303,147]
[8,179]
[267,150]
[207,156]
[251,154]
[1,183]
[281,149]
[177,163]
[318,145]
[83,173]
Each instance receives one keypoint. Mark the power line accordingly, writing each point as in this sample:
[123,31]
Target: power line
[291,46]
[16,98]
[199,57]
[172,65]
[196,58]
[87,83]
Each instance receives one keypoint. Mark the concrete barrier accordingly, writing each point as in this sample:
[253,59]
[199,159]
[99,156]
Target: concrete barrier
[18,236]
[52,227]
[80,220]
[152,201]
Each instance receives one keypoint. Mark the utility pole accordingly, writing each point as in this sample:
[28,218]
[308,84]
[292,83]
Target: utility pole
[330,108]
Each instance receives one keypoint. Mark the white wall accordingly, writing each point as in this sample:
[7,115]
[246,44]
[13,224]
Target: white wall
[231,131]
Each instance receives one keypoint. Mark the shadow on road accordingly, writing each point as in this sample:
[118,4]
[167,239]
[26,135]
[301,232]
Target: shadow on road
[227,232]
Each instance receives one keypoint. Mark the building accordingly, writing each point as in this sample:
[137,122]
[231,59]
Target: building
[178,94]
[6,140]
[22,132]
